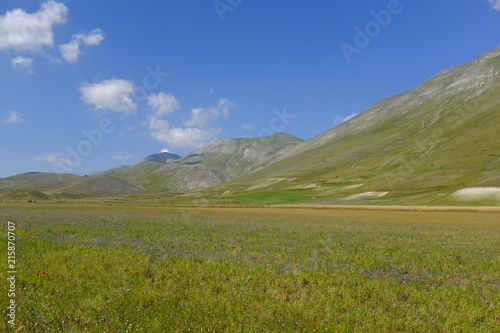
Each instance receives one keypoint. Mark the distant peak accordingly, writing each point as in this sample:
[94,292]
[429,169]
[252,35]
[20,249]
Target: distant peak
[161,157]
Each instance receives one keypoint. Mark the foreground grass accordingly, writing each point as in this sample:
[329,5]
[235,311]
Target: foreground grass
[140,270]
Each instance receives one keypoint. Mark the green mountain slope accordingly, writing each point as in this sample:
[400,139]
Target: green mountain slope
[36,185]
[39,180]
[416,147]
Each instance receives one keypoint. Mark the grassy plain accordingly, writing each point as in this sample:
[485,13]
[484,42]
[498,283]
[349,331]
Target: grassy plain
[124,267]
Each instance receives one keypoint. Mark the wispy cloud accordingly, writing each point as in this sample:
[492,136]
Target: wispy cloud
[121,157]
[201,117]
[23,64]
[349,117]
[14,117]
[113,94]
[495,4]
[54,158]
[71,51]
[248,127]
[24,31]
[339,120]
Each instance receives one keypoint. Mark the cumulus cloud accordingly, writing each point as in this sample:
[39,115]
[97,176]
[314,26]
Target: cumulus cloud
[71,51]
[23,31]
[113,94]
[14,117]
[161,130]
[121,157]
[495,4]
[201,117]
[54,158]
[248,127]
[23,64]
[163,104]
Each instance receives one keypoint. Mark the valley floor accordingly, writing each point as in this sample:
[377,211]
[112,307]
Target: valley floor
[90,266]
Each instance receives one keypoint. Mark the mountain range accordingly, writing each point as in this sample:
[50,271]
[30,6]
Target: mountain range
[423,146]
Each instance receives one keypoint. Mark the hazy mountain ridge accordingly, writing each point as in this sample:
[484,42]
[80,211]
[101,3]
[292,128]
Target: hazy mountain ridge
[242,155]
[161,157]
[210,165]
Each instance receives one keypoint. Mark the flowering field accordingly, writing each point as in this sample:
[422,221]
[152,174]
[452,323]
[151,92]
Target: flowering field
[97,268]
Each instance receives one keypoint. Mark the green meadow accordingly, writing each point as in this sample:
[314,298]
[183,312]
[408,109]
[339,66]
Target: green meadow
[85,267]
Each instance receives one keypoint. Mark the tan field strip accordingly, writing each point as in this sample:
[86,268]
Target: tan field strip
[485,216]
[478,216]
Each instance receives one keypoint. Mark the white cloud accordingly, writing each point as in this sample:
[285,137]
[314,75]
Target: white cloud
[71,51]
[112,94]
[225,106]
[163,104]
[349,117]
[161,130]
[165,150]
[248,127]
[121,157]
[495,4]
[93,38]
[53,158]
[202,117]
[31,31]
[14,117]
[23,64]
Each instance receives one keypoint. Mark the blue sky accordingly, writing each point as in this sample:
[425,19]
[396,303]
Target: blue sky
[89,85]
